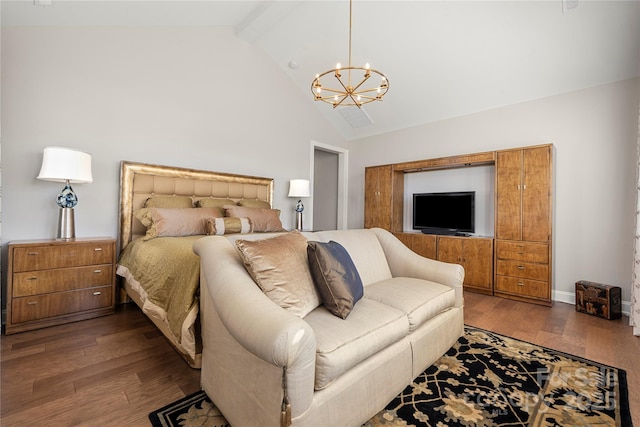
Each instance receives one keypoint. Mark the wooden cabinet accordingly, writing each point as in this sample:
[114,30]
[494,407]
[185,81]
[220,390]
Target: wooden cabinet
[422,244]
[521,267]
[475,254]
[523,194]
[523,224]
[383,198]
[523,270]
[51,282]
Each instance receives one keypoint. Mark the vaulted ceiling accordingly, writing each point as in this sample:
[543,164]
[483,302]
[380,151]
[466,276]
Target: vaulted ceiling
[443,58]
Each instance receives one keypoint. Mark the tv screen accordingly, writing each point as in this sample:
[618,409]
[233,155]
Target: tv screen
[451,211]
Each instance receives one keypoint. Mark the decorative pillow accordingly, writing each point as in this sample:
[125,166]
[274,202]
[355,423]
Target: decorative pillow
[220,226]
[280,268]
[335,276]
[210,202]
[253,203]
[263,220]
[168,202]
[165,222]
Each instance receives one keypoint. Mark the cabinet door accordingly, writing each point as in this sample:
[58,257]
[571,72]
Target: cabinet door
[450,250]
[508,195]
[478,263]
[422,244]
[377,197]
[536,194]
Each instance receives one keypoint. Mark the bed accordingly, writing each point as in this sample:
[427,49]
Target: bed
[161,274]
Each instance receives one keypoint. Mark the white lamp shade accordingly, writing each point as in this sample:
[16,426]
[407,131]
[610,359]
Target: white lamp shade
[299,188]
[61,164]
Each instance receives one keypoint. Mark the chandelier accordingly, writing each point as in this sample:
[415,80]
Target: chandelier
[341,91]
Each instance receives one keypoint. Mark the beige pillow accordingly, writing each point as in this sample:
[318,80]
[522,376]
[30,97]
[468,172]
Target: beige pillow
[253,203]
[263,220]
[280,267]
[168,202]
[210,202]
[175,222]
[220,226]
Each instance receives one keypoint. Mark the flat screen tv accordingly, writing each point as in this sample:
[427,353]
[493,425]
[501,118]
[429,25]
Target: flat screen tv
[444,213]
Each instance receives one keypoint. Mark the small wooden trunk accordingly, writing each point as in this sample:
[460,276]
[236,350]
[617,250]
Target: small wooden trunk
[599,300]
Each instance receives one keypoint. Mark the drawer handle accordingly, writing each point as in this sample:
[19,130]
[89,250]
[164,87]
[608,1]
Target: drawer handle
[521,267]
[97,293]
[97,249]
[32,253]
[32,303]
[520,284]
[97,271]
[32,278]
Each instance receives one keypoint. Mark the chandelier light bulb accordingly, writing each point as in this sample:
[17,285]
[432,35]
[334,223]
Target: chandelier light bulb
[367,66]
[338,66]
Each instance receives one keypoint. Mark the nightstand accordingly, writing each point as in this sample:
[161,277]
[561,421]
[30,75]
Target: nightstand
[51,282]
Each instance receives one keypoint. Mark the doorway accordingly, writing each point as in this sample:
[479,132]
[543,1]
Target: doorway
[329,172]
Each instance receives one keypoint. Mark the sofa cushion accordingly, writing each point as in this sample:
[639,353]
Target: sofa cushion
[280,268]
[419,299]
[342,344]
[365,250]
[335,277]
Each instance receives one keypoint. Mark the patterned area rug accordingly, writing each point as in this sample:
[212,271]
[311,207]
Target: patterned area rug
[485,379]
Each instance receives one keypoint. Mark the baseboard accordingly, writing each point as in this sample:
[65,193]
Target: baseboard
[570,298]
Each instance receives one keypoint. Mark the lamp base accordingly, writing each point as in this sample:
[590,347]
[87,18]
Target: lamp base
[299,220]
[66,224]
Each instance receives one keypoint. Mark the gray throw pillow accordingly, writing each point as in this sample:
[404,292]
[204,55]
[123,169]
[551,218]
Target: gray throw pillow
[335,277]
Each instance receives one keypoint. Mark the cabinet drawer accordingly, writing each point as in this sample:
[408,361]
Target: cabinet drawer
[44,306]
[522,251]
[523,287]
[63,279]
[58,256]
[524,270]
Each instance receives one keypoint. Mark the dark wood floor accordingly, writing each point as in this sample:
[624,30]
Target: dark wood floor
[114,370]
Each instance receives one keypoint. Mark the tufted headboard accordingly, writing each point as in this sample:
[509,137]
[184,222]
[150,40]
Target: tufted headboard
[139,181]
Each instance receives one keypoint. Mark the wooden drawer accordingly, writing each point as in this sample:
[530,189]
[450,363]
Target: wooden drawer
[58,256]
[522,251]
[522,287]
[49,305]
[63,279]
[525,270]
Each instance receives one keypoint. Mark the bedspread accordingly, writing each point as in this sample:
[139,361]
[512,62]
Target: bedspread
[168,271]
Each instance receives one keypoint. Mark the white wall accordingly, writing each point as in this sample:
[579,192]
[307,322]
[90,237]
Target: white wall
[480,179]
[192,97]
[594,132]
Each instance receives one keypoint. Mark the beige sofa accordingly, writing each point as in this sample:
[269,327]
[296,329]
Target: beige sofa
[335,372]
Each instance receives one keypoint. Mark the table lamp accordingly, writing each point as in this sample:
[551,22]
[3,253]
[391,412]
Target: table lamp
[69,166]
[299,188]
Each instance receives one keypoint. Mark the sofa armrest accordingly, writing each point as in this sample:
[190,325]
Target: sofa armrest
[403,262]
[255,322]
